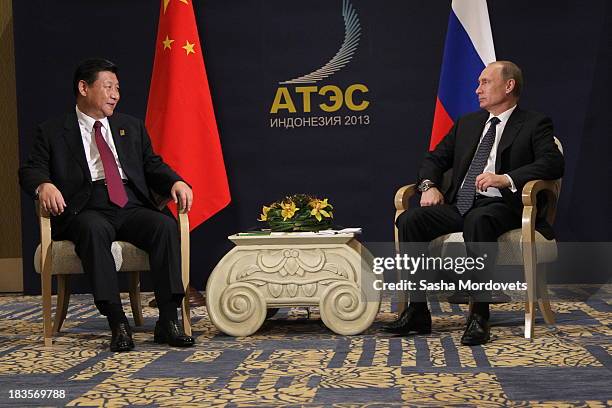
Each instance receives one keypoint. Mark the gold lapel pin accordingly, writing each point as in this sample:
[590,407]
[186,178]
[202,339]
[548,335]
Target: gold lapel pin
[121,132]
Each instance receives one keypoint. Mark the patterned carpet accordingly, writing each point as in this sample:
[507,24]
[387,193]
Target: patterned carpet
[295,361]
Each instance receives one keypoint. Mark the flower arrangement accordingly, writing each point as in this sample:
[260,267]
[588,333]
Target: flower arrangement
[298,212]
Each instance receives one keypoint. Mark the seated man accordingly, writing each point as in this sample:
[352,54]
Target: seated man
[95,172]
[493,153]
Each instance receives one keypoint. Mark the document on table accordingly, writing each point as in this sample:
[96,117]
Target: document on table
[317,234]
[354,230]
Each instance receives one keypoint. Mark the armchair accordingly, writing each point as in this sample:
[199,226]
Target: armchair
[58,258]
[524,246]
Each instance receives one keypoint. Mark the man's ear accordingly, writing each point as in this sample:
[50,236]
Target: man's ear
[510,84]
[83,87]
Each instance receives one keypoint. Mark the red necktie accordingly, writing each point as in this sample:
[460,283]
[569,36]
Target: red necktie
[114,184]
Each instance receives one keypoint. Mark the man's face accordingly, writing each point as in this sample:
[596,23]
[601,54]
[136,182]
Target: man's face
[99,99]
[493,92]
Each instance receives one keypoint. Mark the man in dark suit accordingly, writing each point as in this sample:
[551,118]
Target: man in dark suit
[493,153]
[95,171]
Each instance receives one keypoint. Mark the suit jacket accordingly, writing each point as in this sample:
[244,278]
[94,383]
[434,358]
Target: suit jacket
[58,156]
[526,151]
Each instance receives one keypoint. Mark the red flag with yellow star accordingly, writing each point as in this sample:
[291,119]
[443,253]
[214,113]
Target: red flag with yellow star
[180,116]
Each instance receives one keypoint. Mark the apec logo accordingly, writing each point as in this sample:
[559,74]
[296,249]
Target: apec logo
[294,97]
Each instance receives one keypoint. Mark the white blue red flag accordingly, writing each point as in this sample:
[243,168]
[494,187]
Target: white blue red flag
[468,49]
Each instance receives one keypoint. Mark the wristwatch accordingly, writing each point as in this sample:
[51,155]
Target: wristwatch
[425,185]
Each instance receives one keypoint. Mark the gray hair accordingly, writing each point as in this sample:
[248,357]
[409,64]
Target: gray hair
[510,70]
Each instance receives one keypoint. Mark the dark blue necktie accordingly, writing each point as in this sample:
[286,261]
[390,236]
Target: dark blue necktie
[467,192]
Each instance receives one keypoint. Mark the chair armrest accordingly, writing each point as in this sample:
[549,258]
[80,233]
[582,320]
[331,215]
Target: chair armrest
[551,189]
[529,196]
[40,211]
[183,226]
[46,263]
[183,221]
[44,222]
[402,196]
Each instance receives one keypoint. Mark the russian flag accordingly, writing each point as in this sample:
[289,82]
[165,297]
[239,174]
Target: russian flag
[468,50]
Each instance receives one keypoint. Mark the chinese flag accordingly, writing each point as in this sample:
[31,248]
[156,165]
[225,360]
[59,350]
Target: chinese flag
[180,116]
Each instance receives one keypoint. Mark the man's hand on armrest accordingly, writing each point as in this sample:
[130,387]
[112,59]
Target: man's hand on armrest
[182,195]
[433,196]
[51,198]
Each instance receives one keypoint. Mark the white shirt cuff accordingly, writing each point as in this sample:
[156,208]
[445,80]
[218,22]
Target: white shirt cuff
[512,186]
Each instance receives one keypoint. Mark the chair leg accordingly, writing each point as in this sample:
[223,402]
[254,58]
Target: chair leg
[185,315]
[45,283]
[530,264]
[63,299]
[529,319]
[135,298]
[542,292]
[402,302]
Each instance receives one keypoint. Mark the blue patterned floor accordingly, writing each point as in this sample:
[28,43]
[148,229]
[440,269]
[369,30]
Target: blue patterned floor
[295,361]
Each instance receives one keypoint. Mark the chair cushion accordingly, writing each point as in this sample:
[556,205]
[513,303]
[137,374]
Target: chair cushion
[65,260]
[510,248]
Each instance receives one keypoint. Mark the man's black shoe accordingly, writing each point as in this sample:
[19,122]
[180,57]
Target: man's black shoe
[399,322]
[411,320]
[171,333]
[477,331]
[121,337]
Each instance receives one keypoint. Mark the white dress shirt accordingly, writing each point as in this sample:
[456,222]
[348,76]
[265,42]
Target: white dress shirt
[91,150]
[490,166]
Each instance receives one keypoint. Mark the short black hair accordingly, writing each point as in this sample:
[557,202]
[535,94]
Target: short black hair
[88,71]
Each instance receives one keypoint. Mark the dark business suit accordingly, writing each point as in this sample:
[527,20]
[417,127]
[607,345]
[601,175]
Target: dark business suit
[90,220]
[526,151]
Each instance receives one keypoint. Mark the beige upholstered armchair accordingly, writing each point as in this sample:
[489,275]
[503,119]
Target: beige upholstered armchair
[524,246]
[58,258]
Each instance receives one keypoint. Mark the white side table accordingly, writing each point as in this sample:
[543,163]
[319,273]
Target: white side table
[329,271]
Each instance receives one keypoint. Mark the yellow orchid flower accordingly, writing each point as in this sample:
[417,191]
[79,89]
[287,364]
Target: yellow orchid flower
[288,210]
[318,209]
[264,213]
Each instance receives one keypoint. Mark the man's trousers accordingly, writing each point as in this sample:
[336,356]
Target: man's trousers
[101,222]
[489,218]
